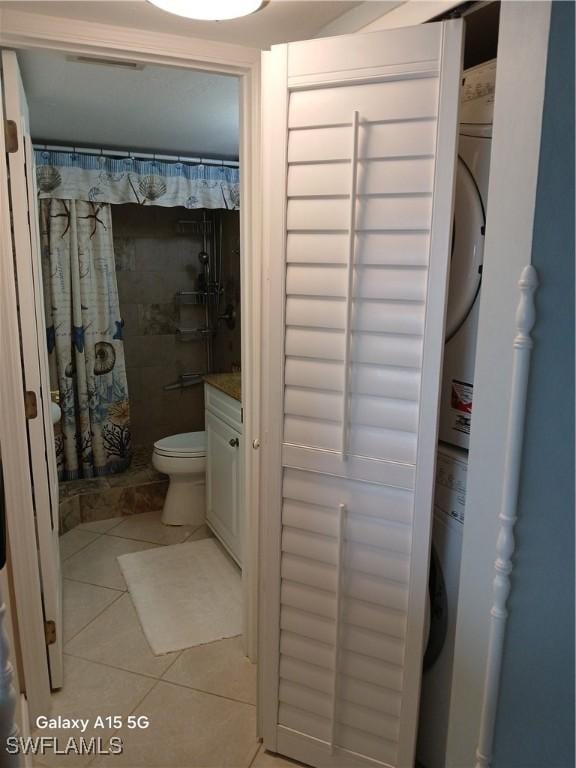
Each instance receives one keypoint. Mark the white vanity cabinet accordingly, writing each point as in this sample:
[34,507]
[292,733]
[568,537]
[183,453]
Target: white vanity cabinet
[224,469]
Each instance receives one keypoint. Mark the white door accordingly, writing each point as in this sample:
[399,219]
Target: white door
[23,197]
[360,136]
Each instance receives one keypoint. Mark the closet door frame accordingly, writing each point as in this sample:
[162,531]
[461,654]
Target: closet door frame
[22,30]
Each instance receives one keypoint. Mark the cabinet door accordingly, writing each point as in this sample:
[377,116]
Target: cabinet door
[223,483]
[359,156]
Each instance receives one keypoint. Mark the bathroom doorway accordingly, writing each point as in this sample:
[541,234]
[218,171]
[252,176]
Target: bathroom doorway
[200,268]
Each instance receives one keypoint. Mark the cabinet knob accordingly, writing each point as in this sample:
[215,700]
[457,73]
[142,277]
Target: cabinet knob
[234,442]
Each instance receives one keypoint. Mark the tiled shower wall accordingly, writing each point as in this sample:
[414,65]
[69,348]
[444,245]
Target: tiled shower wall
[227,342]
[153,262]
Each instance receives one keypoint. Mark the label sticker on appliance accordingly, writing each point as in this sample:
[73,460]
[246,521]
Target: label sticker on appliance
[461,403]
[450,491]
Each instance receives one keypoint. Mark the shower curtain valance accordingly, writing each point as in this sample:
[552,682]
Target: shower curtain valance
[101,179]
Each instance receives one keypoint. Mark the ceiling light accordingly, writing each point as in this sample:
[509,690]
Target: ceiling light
[210,10]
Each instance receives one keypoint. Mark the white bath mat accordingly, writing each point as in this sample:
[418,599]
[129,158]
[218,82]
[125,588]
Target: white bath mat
[185,595]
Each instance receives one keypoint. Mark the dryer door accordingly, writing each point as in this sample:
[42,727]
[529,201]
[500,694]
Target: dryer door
[467,250]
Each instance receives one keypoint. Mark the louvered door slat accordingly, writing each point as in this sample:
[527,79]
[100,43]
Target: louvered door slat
[360,163]
[371,282]
[399,100]
[364,410]
[383,248]
[376,177]
[399,383]
[378,141]
[359,613]
[351,689]
[358,667]
[362,586]
[362,529]
[376,315]
[409,213]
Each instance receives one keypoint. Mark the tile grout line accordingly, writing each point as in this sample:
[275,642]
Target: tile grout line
[114,666]
[93,584]
[178,654]
[161,679]
[193,531]
[131,712]
[100,586]
[258,750]
[121,520]
[82,548]
[120,669]
[93,619]
[118,731]
[206,693]
[145,541]
[124,538]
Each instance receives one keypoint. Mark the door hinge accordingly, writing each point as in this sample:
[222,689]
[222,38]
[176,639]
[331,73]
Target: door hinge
[241,415]
[50,632]
[30,405]
[11,136]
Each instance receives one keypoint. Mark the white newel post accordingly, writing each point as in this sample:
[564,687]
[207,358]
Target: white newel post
[8,696]
[505,545]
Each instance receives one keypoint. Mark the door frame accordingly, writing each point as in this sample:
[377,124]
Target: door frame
[517,127]
[22,30]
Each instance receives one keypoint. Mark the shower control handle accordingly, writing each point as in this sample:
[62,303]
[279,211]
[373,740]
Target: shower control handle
[234,442]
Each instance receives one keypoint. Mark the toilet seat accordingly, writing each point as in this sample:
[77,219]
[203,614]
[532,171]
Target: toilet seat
[187,445]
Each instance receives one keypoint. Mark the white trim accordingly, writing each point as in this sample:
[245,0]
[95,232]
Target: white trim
[373,74]
[274,167]
[251,287]
[33,30]
[505,544]
[28,30]
[519,99]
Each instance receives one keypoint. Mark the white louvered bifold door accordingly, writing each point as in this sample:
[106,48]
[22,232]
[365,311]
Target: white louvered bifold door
[359,153]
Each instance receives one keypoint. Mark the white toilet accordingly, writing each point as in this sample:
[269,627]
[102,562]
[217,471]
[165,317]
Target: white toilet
[183,459]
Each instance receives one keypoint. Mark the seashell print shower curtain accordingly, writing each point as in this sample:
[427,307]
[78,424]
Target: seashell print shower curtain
[101,179]
[84,334]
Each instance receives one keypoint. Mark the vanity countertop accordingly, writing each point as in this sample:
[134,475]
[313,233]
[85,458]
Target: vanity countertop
[229,383]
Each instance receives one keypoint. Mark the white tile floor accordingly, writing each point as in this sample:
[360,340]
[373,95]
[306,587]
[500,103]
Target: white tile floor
[200,702]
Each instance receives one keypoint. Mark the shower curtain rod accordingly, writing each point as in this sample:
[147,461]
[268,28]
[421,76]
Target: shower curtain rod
[136,155]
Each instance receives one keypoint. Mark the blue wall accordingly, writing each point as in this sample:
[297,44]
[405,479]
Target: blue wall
[535,724]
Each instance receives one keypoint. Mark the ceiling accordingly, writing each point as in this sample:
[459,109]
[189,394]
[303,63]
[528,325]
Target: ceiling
[279,22]
[155,108]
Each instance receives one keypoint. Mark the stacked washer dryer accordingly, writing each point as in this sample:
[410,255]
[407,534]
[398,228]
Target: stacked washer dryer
[456,406]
